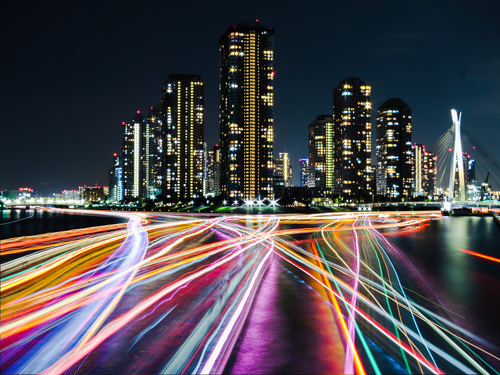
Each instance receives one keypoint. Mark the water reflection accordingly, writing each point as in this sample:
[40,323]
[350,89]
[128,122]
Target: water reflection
[469,285]
[332,294]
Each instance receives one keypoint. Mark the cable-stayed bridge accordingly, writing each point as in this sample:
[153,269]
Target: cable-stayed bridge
[467,173]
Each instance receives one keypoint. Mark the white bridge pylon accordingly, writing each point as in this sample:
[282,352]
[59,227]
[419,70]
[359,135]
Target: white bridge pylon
[457,160]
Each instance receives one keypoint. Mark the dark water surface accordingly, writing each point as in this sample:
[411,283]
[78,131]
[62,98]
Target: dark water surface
[466,284]
[290,327]
[21,222]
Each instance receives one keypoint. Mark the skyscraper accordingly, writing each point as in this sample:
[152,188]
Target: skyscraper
[469,167]
[133,147]
[304,171]
[394,150]
[142,156]
[154,157]
[418,152]
[353,175]
[429,173]
[247,111]
[116,180]
[182,107]
[320,148]
[283,170]
[424,171]
[212,172]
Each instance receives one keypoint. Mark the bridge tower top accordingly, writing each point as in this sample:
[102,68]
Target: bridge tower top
[457,159]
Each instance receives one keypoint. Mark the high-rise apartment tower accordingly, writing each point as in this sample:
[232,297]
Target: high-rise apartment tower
[283,170]
[183,111]
[395,159]
[154,156]
[304,171]
[247,111]
[320,149]
[133,157]
[353,175]
[424,171]
[116,180]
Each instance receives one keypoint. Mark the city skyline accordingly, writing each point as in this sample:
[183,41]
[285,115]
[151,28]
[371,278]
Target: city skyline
[69,91]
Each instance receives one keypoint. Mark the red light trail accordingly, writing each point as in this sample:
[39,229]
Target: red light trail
[182,286]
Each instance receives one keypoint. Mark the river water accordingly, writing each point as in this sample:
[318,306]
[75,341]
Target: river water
[21,222]
[465,285]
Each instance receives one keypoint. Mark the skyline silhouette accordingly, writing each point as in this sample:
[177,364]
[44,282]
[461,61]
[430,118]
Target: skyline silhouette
[73,72]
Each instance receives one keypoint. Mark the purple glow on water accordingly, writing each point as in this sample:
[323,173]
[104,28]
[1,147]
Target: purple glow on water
[349,357]
[290,329]
[264,318]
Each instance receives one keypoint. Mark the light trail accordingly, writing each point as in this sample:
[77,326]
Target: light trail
[480,255]
[183,285]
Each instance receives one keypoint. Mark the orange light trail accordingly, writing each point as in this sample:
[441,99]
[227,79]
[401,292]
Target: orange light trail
[182,286]
[480,255]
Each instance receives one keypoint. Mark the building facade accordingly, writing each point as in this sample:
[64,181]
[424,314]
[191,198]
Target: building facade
[133,157]
[320,149]
[94,194]
[212,172]
[183,115]
[153,153]
[425,170]
[353,174]
[304,172]
[247,111]
[469,167]
[116,180]
[283,170]
[394,174]
[142,157]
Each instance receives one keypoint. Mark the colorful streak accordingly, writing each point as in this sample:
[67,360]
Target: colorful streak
[480,255]
[180,287]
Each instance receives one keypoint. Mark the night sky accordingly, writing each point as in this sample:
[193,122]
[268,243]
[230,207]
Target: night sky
[71,72]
